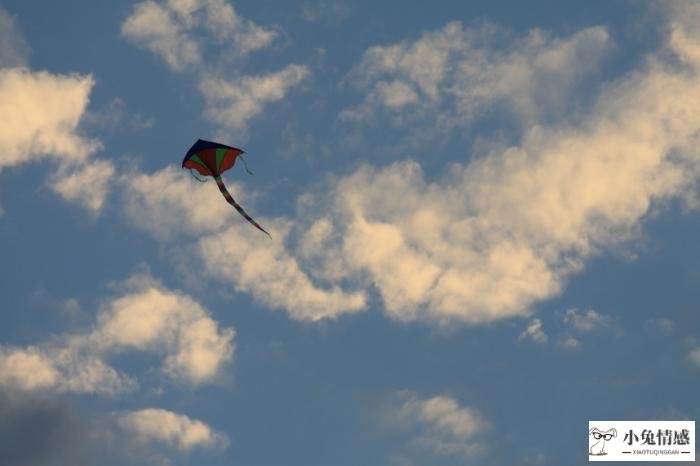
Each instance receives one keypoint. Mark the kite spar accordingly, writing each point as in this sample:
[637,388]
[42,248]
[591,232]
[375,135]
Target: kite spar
[212,159]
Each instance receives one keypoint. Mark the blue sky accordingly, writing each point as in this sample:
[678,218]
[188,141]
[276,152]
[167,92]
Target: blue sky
[484,220]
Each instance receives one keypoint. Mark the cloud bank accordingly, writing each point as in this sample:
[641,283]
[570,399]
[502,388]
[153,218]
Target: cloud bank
[492,237]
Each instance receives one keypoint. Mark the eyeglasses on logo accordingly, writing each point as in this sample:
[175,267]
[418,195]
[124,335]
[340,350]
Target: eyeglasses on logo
[598,448]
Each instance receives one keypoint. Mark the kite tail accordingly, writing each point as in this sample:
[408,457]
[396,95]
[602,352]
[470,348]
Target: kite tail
[230,200]
[245,164]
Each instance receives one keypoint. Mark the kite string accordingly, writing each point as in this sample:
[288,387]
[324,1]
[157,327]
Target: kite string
[245,165]
[201,180]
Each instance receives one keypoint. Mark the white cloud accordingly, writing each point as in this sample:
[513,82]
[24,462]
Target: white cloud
[455,72]
[61,367]
[87,184]
[175,30]
[43,112]
[155,28]
[443,425]
[159,425]
[27,134]
[588,321]
[232,103]
[272,275]
[27,368]
[534,332]
[14,51]
[160,320]
[149,318]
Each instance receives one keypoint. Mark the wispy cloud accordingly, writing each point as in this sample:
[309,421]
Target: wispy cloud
[14,50]
[534,332]
[326,11]
[568,342]
[661,325]
[452,74]
[588,321]
[232,103]
[115,115]
[174,29]
[580,323]
[441,425]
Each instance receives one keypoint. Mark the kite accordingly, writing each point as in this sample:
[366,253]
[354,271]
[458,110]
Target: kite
[212,159]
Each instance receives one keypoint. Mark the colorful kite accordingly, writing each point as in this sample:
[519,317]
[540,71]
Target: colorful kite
[212,159]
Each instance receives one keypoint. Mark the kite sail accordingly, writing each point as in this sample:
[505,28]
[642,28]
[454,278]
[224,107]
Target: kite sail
[212,159]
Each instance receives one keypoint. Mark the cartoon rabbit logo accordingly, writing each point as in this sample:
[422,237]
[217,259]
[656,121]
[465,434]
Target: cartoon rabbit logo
[598,448]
